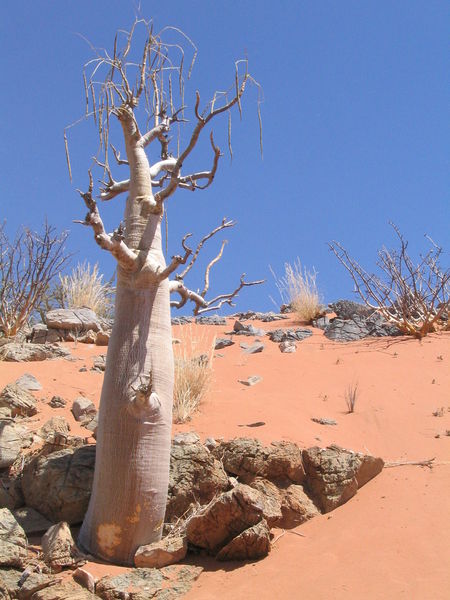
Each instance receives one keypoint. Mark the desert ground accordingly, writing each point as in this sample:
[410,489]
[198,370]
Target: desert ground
[392,540]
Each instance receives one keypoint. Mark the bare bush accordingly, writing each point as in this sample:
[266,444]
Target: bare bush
[193,372]
[414,297]
[85,287]
[351,396]
[28,265]
[298,288]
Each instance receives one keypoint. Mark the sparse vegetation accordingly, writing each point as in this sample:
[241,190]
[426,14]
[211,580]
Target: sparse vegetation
[414,297]
[351,396]
[193,371]
[28,266]
[85,287]
[298,288]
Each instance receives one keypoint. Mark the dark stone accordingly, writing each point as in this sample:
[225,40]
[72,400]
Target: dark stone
[181,320]
[347,309]
[284,335]
[57,402]
[223,343]
[242,329]
[211,320]
[321,323]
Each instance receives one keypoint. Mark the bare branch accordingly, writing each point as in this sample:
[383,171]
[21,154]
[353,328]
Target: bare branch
[217,302]
[112,242]
[120,161]
[185,294]
[177,260]
[209,266]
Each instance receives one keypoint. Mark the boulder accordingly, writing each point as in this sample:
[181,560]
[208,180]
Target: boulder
[31,520]
[83,409]
[334,474]
[18,400]
[171,581]
[41,334]
[321,322]
[13,541]
[271,497]
[243,329]
[222,343]
[16,352]
[347,309]
[29,382]
[291,335]
[296,507]
[247,458]
[167,551]
[224,518]
[195,476]
[56,424]
[13,438]
[73,319]
[24,586]
[11,495]
[59,548]
[341,330]
[251,544]
[102,338]
[59,485]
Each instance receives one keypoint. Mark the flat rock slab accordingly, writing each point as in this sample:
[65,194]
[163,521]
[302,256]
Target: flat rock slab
[13,541]
[252,380]
[253,349]
[15,352]
[143,584]
[73,319]
[323,421]
[29,382]
[64,591]
[167,551]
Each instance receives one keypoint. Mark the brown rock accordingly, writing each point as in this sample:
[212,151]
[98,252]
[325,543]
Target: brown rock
[296,507]
[85,578]
[18,400]
[83,409]
[31,520]
[271,499]
[11,495]
[225,517]
[167,551]
[13,541]
[63,591]
[251,544]
[59,548]
[102,338]
[56,424]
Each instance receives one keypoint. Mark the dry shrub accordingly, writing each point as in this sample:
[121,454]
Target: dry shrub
[193,372]
[351,396]
[84,287]
[298,288]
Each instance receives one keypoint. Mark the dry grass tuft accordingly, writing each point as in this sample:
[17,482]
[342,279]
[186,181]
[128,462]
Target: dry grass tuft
[351,396]
[85,287]
[193,372]
[298,288]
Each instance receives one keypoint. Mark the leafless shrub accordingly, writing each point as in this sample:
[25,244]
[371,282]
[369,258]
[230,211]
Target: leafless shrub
[351,396]
[193,371]
[414,297]
[28,265]
[298,287]
[85,287]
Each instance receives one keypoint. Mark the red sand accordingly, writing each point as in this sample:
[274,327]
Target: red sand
[393,539]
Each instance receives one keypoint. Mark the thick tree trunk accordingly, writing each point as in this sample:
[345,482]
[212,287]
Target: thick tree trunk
[129,494]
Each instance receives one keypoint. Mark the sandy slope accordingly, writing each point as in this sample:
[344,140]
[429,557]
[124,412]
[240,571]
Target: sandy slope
[393,539]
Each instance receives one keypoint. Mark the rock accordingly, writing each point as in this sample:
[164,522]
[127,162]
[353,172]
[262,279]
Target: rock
[242,329]
[296,507]
[85,578]
[347,309]
[13,438]
[5,413]
[323,421]
[59,485]
[57,402]
[181,320]
[210,443]
[73,319]
[292,335]
[271,498]
[57,424]
[13,541]
[90,337]
[15,352]
[172,581]
[83,408]
[99,363]
[195,477]
[287,347]
[286,308]
[334,474]
[59,548]
[41,334]
[222,343]
[184,438]
[11,493]
[64,590]
[253,349]
[32,584]
[9,583]
[252,380]
[251,544]
[102,338]
[264,317]
[347,331]
[211,320]
[321,323]
[19,401]
[31,520]
[224,518]
[247,458]
[29,382]
[92,424]
[167,551]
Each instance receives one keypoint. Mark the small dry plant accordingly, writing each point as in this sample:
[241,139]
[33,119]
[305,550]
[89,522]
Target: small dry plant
[193,372]
[85,287]
[351,396]
[298,288]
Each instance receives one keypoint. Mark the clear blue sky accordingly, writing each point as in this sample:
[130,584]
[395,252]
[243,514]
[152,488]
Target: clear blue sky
[355,119]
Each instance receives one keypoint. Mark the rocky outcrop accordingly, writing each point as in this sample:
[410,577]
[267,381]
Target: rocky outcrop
[59,485]
[196,476]
[13,541]
[18,400]
[247,458]
[335,474]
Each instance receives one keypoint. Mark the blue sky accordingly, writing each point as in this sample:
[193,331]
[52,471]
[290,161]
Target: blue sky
[354,115]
